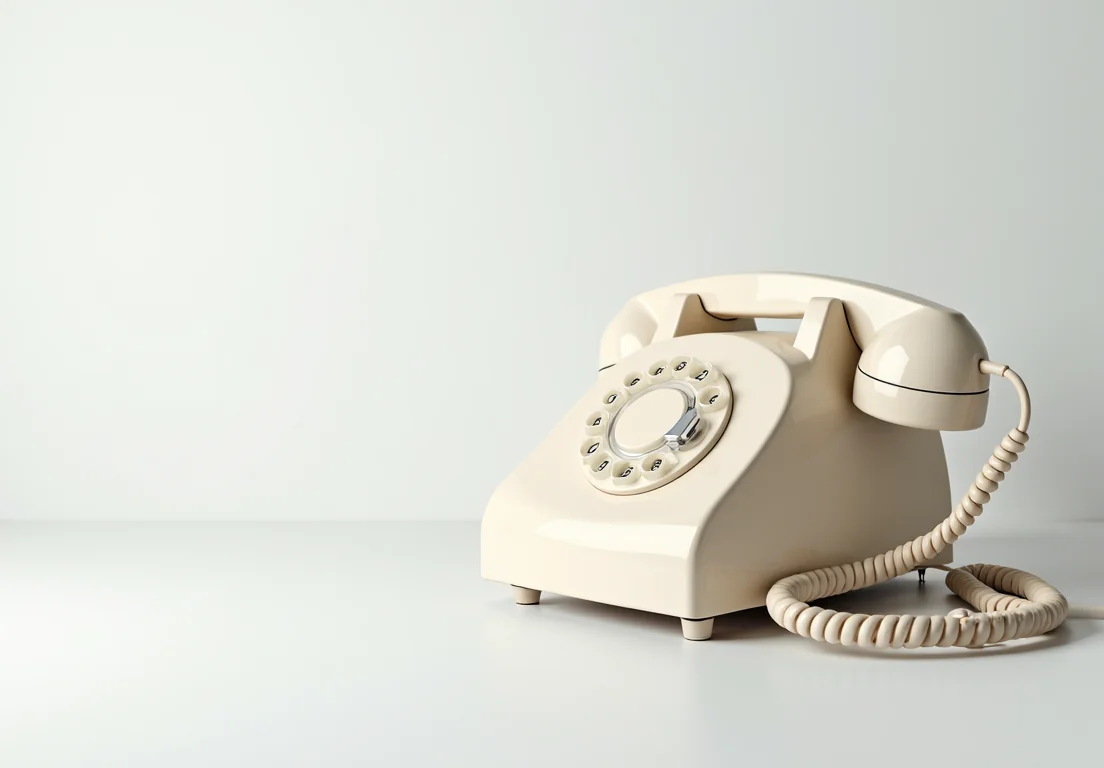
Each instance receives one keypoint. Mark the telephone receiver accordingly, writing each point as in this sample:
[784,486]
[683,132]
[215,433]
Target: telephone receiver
[715,467]
[920,361]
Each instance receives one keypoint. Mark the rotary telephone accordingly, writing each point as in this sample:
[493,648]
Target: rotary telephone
[714,467]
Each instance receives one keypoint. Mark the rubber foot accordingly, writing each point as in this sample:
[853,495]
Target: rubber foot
[697,629]
[524,596]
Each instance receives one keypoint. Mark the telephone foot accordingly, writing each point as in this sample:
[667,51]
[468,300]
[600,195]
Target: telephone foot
[524,596]
[697,629]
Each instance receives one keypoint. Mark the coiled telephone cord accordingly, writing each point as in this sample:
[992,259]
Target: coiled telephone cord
[1011,604]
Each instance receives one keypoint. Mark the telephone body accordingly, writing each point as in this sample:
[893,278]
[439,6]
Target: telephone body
[711,461]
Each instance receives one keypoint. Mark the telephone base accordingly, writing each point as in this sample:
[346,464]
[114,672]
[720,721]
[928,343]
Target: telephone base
[800,479]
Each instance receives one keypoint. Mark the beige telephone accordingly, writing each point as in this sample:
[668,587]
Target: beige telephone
[711,460]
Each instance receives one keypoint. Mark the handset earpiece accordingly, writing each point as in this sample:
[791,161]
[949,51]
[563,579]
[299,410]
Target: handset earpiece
[923,370]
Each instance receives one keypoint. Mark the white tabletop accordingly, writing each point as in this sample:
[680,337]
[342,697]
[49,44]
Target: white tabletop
[352,644]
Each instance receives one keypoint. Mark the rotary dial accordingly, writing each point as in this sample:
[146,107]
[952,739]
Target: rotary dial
[656,426]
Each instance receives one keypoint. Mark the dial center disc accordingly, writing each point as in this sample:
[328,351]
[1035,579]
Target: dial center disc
[644,420]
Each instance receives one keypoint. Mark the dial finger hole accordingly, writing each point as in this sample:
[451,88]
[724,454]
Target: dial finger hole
[597,422]
[600,464]
[624,472]
[703,373]
[634,381]
[591,447]
[659,371]
[681,367]
[613,400]
[712,399]
[656,465]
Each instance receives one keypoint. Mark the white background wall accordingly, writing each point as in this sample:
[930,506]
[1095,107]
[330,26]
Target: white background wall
[352,260]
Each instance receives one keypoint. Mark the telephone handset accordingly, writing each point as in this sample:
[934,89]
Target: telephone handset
[914,352]
[711,461]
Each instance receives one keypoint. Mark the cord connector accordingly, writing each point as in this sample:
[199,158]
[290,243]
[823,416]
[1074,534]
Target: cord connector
[992,369]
